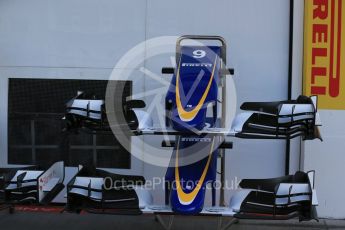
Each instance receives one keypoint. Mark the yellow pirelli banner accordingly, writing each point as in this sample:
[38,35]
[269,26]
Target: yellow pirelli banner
[324,52]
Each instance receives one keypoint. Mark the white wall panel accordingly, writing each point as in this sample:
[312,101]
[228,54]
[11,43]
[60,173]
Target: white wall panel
[327,159]
[64,33]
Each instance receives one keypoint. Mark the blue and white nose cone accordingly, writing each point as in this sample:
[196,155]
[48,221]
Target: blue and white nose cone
[189,188]
[194,86]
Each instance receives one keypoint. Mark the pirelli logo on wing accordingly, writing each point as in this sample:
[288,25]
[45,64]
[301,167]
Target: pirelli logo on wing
[209,65]
[324,43]
[196,139]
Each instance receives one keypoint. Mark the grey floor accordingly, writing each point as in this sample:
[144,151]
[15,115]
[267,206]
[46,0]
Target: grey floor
[52,221]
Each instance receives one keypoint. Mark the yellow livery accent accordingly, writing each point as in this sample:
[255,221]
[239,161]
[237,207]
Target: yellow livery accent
[188,198]
[190,115]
